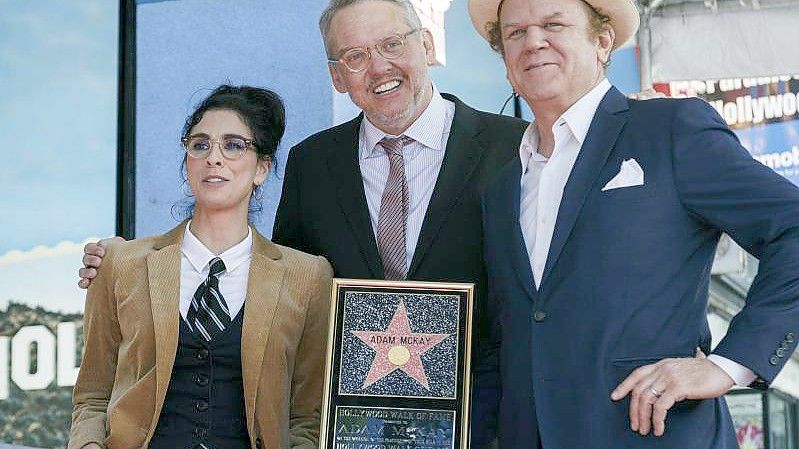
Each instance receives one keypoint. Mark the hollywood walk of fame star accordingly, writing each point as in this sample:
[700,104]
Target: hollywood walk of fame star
[398,348]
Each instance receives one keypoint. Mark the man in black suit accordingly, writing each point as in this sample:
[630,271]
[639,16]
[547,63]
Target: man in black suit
[334,179]
[334,182]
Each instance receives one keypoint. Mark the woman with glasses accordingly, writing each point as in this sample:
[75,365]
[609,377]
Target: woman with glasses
[209,336]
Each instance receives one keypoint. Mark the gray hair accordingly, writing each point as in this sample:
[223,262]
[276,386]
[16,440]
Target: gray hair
[411,18]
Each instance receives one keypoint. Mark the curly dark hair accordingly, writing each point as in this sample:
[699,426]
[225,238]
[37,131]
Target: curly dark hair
[262,110]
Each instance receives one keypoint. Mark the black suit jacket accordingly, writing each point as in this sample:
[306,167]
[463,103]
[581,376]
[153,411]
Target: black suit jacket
[323,208]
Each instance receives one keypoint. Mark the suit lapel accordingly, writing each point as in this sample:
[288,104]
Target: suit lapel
[462,156]
[346,172]
[513,230]
[605,129]
[263,295]
[163,275]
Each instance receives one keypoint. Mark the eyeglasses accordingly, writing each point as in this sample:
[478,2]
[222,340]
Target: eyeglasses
[356,59]
[232,147]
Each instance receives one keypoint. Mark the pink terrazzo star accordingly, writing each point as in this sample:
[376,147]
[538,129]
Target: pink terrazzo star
[398,348]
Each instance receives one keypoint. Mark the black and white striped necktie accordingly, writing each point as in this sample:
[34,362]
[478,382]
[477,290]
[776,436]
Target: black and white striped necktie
[208,314]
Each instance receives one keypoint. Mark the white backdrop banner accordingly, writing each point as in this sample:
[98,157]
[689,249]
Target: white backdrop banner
[725,44]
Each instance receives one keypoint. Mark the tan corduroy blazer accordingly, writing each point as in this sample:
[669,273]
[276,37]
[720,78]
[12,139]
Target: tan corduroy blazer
[131,335]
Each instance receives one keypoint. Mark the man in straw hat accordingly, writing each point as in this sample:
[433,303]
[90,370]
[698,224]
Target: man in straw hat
[599,241]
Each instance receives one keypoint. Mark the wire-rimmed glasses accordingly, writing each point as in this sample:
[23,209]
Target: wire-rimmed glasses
[356,59]
[231,146]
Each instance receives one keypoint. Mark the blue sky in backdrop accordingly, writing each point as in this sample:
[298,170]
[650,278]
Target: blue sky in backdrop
[58,83]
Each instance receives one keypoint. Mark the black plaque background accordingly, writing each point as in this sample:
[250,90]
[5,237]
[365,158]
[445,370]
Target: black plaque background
[459,405]
[420,432]
[425,311]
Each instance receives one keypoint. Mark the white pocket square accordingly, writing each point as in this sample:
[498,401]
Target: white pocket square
[631,174]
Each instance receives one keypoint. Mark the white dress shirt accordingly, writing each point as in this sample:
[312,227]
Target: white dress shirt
[194,267]
[543,180]
[542,184]
[422,159]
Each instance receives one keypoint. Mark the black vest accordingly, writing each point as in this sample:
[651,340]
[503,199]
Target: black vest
[205,399]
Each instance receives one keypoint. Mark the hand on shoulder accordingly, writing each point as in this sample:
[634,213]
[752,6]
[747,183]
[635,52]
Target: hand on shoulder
[646,94]
[93,254]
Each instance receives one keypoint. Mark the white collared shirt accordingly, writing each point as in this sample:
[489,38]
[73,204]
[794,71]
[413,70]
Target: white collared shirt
[543,180]
[194,267]
[542,184]
[422,159]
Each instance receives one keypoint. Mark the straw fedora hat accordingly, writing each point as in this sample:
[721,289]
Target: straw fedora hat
[623,16]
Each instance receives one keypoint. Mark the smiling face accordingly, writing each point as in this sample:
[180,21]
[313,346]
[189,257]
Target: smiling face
[393,93]
[551,54]
[220,184]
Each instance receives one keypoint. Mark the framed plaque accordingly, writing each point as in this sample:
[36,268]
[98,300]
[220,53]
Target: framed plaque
[397,372]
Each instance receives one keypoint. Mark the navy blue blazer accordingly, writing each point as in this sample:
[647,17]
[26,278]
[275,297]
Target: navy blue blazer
[626,281]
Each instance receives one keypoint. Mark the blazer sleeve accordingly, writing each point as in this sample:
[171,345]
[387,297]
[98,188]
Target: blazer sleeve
[101,337]
[719,182]
[287,230]
[308,377]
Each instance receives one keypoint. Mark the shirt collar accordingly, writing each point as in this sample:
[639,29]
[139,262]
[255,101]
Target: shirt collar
[528,151]
[427,129]
[199,255]
[578,119]
[579,116]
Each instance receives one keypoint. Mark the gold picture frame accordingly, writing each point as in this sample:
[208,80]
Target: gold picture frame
[398,360]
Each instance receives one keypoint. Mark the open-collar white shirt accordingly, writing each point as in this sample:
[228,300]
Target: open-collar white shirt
[542,184]
[543,180]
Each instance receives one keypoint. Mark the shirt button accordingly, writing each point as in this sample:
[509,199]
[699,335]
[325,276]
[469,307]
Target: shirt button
[202,354]
[539,316]
[201,406]
[780,352]
[790,337]
[774,360]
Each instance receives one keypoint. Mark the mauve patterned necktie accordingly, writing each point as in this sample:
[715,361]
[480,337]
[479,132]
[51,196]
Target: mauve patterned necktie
[208,314]
[393,210]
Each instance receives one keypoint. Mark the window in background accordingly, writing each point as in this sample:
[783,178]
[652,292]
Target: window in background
[58,100]
[746,408]
[781,422]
